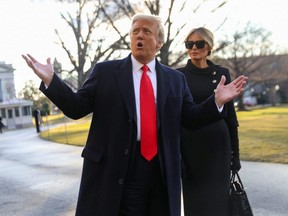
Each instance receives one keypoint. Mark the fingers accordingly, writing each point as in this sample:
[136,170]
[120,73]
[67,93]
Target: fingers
[223,79]
[32,58]
[240,81]
[31,62]
[25,58]
[48,60]
[240,84]
[244,81]
[28,61]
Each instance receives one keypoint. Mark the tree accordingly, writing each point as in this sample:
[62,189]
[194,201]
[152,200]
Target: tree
[31,92]
[90,29]
[172,51]
[97,22]
[249,52]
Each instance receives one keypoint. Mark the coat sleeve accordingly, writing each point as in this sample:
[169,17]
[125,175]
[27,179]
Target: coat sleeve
[75,105]
[232,123]
[197,116]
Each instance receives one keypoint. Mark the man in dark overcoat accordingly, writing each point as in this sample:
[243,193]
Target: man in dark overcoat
[116,179]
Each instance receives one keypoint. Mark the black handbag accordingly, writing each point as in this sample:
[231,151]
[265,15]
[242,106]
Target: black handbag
[239,204]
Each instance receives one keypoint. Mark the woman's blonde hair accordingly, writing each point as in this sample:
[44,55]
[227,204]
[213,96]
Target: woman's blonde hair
[205,33]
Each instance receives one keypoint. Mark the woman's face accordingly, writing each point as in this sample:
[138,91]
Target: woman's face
[197,47]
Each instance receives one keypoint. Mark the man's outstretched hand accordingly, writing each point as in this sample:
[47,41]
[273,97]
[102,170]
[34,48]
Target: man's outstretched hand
[226,93]
[43,71]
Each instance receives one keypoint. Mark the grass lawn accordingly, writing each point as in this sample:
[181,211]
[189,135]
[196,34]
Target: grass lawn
[66,131]
[263,133]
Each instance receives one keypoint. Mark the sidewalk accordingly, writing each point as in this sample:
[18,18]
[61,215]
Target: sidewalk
[41,178]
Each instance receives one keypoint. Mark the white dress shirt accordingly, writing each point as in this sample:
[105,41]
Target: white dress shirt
[137,74]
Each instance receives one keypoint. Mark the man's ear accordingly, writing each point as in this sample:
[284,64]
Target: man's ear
[158,46]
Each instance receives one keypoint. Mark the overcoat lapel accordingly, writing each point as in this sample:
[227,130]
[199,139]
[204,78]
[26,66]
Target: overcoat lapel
[124,78]
[163,86]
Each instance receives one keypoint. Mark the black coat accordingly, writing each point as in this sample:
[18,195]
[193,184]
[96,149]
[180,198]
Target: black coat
[109,95]
[207,152]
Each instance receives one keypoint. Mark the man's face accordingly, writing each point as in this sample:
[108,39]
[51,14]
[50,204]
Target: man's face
[144,40]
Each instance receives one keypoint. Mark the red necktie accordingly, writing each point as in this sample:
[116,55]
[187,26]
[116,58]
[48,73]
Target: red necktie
[147,117]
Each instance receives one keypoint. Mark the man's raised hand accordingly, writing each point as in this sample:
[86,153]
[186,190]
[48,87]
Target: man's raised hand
[44,71]
[226,93]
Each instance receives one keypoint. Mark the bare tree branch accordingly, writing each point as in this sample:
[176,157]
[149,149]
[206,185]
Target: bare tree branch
[249,53]
[89,49]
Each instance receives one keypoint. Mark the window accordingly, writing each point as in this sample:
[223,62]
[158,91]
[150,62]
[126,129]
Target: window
[1,93]
[17,114]
[10,113]
[3,113]
[26,110]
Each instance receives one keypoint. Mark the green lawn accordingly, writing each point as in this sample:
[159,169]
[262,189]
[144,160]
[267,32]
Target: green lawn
[68,131]
[262,133]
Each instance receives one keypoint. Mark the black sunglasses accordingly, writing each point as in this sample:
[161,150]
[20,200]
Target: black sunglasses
[200,44]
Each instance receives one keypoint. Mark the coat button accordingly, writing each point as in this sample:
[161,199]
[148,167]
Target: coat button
[121,181]
[126,151]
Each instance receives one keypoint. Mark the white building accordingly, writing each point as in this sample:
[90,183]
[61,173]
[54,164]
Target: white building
[15,113]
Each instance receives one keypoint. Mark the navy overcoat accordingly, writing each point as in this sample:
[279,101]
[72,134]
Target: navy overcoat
[108,94]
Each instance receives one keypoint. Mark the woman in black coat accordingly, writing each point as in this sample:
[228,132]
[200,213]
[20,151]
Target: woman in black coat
[210,152]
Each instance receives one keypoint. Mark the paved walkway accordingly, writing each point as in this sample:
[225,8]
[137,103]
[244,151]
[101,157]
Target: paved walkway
[41,178]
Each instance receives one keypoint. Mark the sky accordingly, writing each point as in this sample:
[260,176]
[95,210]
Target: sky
[27,26]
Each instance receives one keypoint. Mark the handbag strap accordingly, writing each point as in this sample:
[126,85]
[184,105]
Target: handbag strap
[233,178]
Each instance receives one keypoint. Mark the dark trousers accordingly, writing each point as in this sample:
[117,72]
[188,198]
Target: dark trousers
[144,192]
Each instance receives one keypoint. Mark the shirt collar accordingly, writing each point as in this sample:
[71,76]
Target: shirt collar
[136,65]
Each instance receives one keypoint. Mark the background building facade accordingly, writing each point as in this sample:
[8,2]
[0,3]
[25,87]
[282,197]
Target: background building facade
[15,113]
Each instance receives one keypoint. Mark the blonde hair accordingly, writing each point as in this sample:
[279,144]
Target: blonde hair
[206,34]
[152,18]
